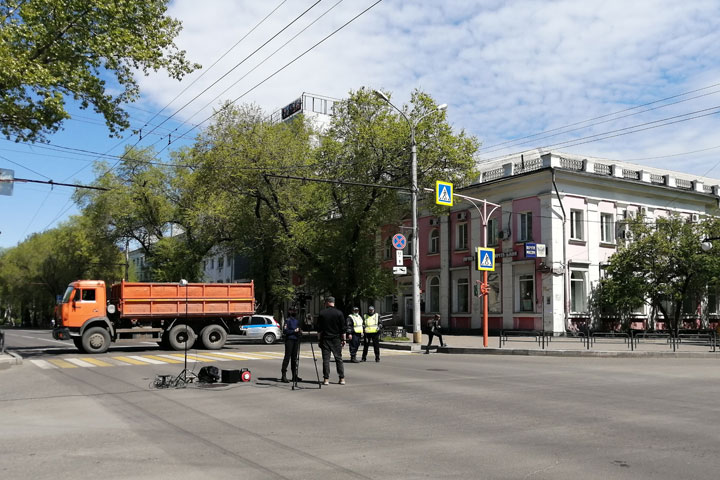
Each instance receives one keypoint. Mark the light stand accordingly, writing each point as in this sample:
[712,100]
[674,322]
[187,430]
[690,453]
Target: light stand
[183,375]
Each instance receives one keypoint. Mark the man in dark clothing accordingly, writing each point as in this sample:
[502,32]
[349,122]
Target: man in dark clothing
[331,337]
[434,329]
[292,333]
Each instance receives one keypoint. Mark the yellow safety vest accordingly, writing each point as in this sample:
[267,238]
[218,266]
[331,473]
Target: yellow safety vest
[371,323]
[357,322]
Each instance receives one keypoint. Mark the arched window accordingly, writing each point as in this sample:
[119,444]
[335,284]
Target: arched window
[387,254]
[434,243]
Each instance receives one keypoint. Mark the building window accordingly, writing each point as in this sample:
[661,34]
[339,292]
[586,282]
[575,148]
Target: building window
[433,295]
[525,227]
[221,263]
[461,237]
[388,248]
[407,251]
[607,228]
[526,293]
[578,293]
[434,243]
[492,232]
[212,264]
[494,297]
[461,296]
[576,225]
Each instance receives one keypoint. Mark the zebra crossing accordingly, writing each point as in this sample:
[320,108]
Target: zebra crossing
[170,358]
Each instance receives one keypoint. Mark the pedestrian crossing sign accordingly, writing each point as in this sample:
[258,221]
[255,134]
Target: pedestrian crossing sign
[444,193]
[485,259]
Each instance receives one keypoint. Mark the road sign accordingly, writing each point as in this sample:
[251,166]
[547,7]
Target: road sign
[7,178]
[400,270]
[444,193]
[399,241]
[399,260]
[485,259]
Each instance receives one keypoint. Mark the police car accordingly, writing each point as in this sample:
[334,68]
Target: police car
[260,327]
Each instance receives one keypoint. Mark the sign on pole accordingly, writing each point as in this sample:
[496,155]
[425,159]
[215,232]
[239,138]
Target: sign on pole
[444,193]
[400,270]
[399,260]
[7,179]
[485,259]
[399,241]
[535,250]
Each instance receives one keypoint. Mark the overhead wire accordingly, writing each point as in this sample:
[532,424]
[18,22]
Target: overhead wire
[606,115]
[282,68]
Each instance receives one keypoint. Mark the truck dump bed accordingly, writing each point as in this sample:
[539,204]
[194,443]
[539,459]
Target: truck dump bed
[142,300]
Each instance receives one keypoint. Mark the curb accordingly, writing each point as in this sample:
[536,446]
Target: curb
[10,358]
[549,353]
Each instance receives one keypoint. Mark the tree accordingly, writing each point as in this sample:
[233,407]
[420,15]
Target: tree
[54,49]
[152,205]
[663,266]
[325,234]
[34,272]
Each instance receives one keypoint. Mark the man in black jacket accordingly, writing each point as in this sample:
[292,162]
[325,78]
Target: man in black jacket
[331,337]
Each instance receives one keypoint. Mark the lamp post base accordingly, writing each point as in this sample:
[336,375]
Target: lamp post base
[417,337]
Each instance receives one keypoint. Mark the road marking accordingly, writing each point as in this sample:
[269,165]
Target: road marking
[161,359]
[62,363]
[131,361]
[43,364]
[173,359]
[164,360]
[80,363]
[97,362]
[190,357]
[147,359]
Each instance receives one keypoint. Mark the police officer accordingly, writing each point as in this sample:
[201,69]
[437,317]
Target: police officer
[355,330]
[371,327]
[292,333]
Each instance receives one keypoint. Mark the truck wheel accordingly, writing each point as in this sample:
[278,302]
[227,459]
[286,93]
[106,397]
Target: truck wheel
[78,344]
[96,340]
[179,335]
[269,338]
[213,337]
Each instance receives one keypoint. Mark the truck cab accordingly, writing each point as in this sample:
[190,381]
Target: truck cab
[83,306]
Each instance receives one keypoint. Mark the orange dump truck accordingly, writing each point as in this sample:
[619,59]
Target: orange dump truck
[172,314]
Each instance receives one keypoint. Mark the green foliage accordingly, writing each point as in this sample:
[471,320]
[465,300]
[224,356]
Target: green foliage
[41,267]
[54,49]
[662,266]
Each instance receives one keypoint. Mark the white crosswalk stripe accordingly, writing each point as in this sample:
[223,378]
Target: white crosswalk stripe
[80,363]
[43,364]
[174,358]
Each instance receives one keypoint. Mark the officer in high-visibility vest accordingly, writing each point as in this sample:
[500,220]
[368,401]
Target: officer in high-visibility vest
[355,331]
[371,325]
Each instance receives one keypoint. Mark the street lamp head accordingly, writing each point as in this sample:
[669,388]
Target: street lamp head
[706,246]
[381,95]
[183,282]
[442,108]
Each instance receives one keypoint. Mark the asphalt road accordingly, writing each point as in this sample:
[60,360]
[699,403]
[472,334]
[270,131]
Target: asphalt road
[409,416]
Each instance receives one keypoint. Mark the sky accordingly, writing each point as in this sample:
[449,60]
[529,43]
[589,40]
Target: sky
[559,75]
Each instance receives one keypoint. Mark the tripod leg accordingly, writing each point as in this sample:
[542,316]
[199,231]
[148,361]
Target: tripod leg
[296,367]
[317,374]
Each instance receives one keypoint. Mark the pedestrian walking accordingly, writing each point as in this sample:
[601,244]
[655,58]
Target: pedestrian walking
[331,337]
[434,329]
[371,330]
[292,333]
[355,330]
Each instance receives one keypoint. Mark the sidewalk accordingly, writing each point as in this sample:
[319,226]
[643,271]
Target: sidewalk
[561,347]
[7,359]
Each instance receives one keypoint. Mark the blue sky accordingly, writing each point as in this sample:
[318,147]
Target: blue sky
[507,70]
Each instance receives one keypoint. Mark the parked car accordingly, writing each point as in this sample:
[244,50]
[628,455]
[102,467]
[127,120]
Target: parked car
[260,327]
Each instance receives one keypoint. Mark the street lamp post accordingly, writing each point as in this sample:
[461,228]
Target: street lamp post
[417,331]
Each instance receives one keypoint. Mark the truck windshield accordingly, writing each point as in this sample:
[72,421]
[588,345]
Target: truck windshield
[68,295]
